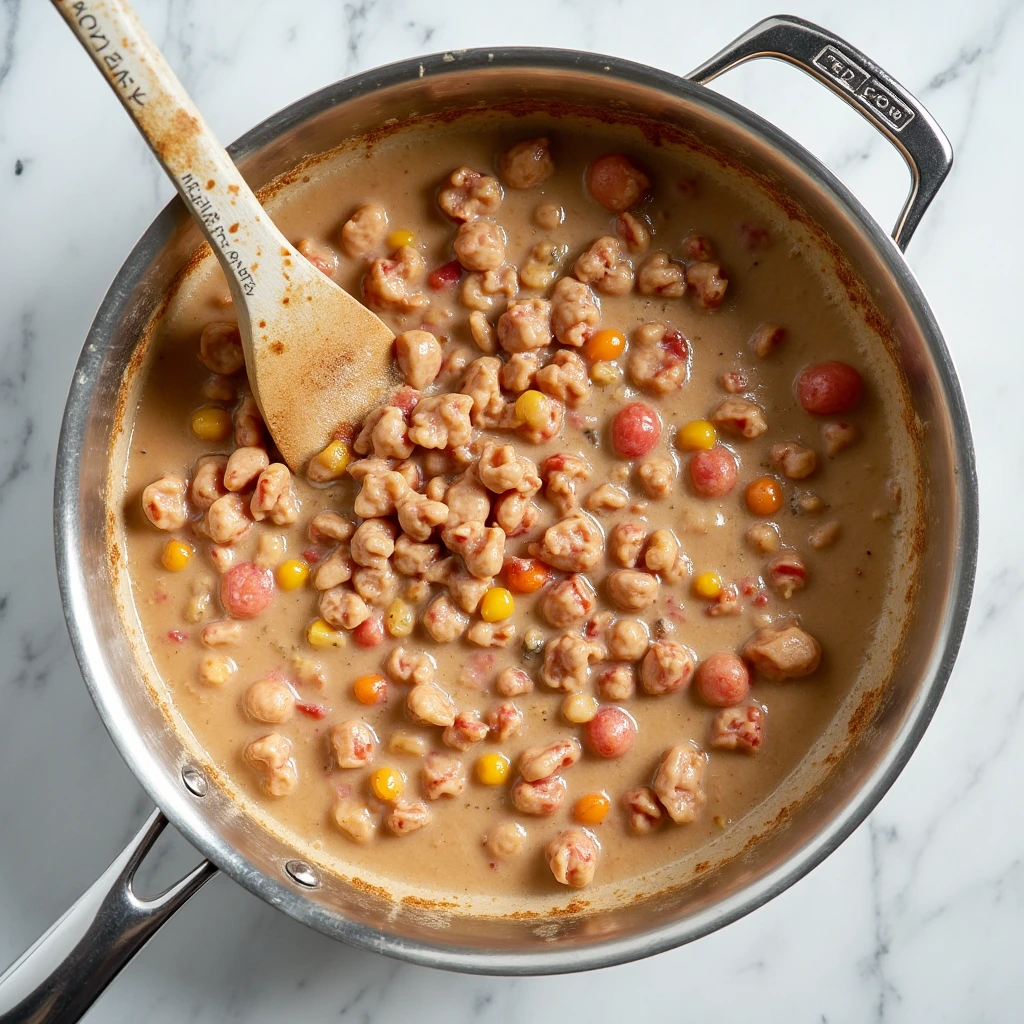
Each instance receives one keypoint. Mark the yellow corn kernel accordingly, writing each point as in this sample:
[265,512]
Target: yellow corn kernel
[400,237]
[334,459]
[604,374]
[176,555]
[579,708]
[492,769]
[591,808]
[707,585]
[321,634]
[400,619]
[697,435]
[532,408]
[211,423]
[387,783]
[292,574]
[497,605]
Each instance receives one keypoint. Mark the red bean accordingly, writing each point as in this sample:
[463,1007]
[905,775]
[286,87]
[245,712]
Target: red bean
[246,590]
[616,182]
[713,472]
[369,632]
[611,732]
[723,679]
[445,275]
[635,430]
[829,389]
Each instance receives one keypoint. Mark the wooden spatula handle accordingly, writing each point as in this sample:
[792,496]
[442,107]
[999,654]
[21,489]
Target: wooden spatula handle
[240,234]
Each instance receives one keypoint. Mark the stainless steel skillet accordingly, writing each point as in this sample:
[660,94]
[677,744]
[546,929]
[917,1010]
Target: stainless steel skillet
[63,973]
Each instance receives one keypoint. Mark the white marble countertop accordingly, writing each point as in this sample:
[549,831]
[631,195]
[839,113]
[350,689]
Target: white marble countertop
[917,917]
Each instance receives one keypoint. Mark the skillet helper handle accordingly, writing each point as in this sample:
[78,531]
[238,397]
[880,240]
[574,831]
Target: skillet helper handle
[58,978]
[872,92]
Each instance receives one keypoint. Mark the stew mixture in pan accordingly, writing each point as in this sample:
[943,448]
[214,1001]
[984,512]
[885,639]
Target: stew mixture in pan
[597,576]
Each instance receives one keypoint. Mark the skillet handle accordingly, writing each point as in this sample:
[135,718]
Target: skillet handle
[865,86]
[59,977]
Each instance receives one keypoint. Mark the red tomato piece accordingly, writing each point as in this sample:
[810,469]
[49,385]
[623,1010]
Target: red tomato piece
[312,710]
[406,399]
[445,275]
[369,632]
[635,430]
[713,472]
[176,636]
[246,590]
[611,732]
[312,555]
[616,182]
[723,679]
[829,389]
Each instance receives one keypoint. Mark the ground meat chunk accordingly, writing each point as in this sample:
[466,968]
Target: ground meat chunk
[271,758]
[517,374]
[825,535]
[574,544]
[657,475]
[561,475]
[483,385]
[632,589]
[548,427]
[483,292]
[786,574]
[796,461]
[467,591]
[207,480]
[500,469]
[407,816]
[354,818]
[505,720]
[329,527]
[575,314]
[616,182]
[482,332]
[838,437]
[353,744]
[334,569]
[269,701]
[385,433]
[764,538]
[740,417]
[392,282]
[572,856]
[373,543]
[465,731]
[428,704]
[443,620]
[658,358]
[616,682]
[667,667]
[606,498]
[734,382]
[783,652]
[514,682]
[442,775]
[419,357]
[660,275]
[542,265]
[606,266]
[468,194]
[626,542]
[568,601]
[634,231]
[738,729]
[274,496]
[525,325]
[419,516]
[222,633]
[405,666]
[627,639]
[442,421]
[515,514]
[526,164]
[643,811]
[480,245]
[375,586]
[248,423]
[708,282]
[543,797]
[467,499]
[505,840]
[220,349]
[243,467]
[342,608]
[567,661]
[565,378]
[163,503]
[679,783]
[226,521]
[662,554]
[364,231]
[766,339]
[482,547]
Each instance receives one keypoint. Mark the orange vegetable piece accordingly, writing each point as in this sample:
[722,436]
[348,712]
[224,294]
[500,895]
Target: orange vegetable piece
[592,808]
[371,689]
[764,496]
[604,346]
[525,575]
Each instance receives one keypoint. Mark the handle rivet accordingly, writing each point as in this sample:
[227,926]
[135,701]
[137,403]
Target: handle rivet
[303,874]
[195,780]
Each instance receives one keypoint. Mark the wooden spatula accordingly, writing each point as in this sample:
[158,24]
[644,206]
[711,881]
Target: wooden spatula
[317,358]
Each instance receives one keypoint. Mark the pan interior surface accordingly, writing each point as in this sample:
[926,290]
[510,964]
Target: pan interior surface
[841,777]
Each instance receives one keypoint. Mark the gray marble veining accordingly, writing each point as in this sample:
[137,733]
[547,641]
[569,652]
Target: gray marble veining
[917,917]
